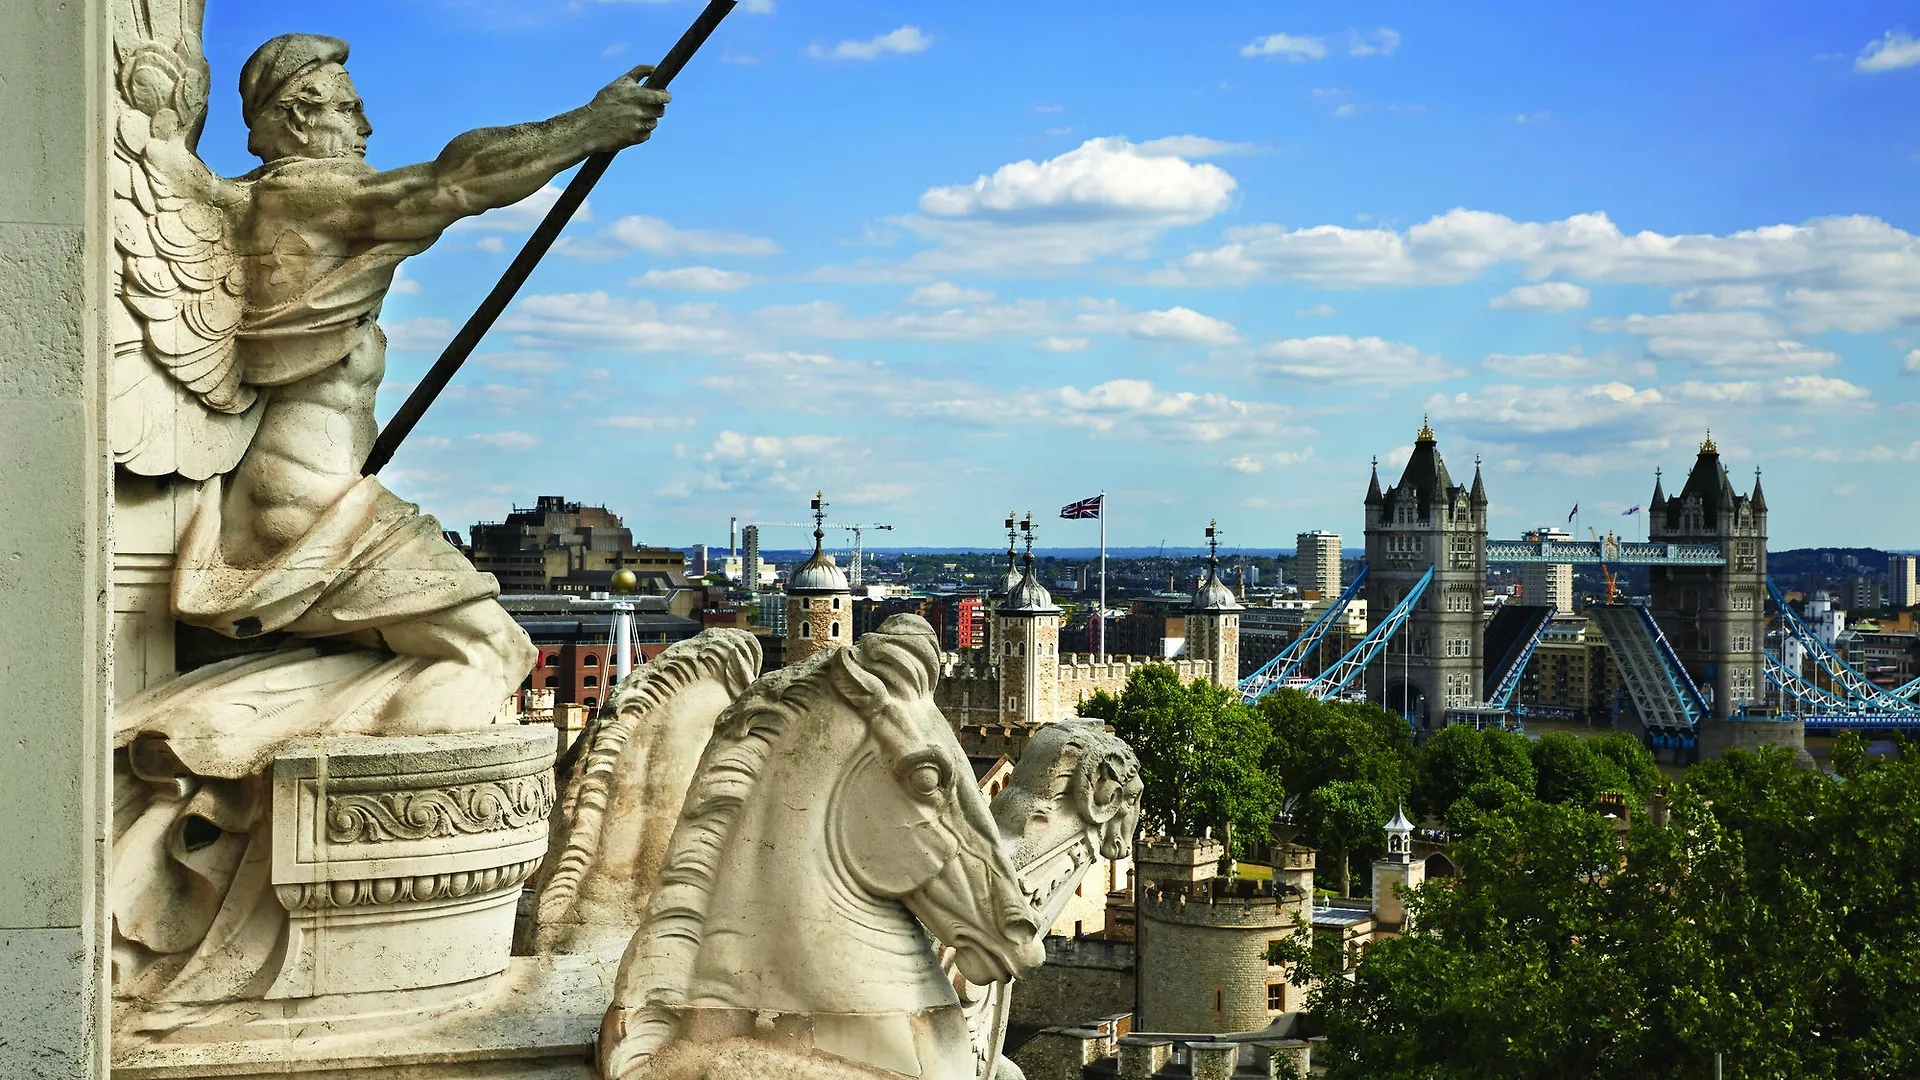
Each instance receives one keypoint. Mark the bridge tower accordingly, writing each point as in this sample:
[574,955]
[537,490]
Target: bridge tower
[1714,616]
[1428,520]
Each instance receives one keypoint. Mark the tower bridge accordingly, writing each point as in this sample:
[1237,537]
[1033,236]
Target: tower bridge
[1693,656]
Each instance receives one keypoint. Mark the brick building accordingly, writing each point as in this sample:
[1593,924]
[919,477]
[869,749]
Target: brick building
[560,546]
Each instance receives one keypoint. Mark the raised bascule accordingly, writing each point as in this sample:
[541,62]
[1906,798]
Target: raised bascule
[1693,657]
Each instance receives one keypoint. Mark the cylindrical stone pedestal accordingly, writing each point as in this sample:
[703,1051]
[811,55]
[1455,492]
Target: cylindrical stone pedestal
[1287,1059]
[399,858]
[1213,1060]
[1140,1056]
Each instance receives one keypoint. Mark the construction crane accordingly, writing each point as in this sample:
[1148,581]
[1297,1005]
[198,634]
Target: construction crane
[859,531]
[1612,579]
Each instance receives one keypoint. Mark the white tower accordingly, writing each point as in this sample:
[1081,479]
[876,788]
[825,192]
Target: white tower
[1213,619]
[819,602]
[1027,627]
[1393,875]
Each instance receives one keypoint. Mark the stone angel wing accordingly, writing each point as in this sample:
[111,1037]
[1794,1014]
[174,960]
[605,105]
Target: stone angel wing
[180,404]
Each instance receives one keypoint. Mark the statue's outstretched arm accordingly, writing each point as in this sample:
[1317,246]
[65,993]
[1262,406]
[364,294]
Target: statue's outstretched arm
[494,167]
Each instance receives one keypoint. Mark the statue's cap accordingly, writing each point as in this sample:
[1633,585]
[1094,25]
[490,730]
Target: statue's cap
[277,63]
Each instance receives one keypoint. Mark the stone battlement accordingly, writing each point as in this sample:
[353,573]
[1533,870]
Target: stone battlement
[1225,902]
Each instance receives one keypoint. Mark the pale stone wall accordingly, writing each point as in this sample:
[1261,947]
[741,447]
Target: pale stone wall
[54,584]
[1205,961]
[829,622]
[972,690]
[1081,980]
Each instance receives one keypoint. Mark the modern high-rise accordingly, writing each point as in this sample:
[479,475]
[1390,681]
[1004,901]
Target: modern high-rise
[1317,563]
[1903,580]
[1547,584]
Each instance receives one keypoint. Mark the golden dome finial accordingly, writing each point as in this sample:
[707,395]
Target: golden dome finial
[1707,446]
[1426,430]
[624,582]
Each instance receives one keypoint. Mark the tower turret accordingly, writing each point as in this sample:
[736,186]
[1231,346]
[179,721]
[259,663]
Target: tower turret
[819,602]
[1213,619]
[1027,625]
[1426,520]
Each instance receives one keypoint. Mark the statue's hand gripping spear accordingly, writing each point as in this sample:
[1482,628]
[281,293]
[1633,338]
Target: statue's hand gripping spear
[482,319]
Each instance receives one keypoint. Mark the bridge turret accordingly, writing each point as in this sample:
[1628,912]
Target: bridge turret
[1426,520]
[1714,616]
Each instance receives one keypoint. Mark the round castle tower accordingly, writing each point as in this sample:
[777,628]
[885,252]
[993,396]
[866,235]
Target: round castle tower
[1203,940]
[1027,629]
[819,602]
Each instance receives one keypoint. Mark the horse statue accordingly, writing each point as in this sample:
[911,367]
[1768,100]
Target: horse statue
[621,787]
[1074,794]
[832,825]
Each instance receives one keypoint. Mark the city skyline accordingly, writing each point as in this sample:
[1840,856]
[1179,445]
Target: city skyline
[1211,264]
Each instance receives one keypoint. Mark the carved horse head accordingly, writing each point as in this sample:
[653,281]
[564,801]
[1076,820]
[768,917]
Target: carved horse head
[833,822]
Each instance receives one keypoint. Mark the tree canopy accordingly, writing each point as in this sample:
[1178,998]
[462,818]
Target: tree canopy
[1201,754]
[1773,916]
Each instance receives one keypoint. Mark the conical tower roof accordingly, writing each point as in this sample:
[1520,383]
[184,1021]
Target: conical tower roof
[1028,596]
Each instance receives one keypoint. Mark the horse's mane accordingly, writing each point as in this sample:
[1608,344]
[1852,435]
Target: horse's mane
[900,660]
[588,771]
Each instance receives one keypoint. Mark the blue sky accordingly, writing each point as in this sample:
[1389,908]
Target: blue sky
[942,260]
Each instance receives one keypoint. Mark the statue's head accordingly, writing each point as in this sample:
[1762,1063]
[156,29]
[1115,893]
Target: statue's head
[299,101]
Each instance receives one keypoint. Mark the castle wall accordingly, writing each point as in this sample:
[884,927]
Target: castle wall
[1205,960]
[1082,980]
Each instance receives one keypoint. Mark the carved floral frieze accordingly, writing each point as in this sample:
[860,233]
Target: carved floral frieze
[376,817]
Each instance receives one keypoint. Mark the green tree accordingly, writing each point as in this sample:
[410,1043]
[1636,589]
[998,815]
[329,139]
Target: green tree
[1347,764]
[1342,814]
[1201,754]
[1568,769]
[1458,759]
[1771,918]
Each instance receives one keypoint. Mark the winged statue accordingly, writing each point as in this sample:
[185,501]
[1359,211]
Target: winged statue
[247,355]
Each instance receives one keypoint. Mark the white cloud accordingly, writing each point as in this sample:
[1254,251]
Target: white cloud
[596,320]
[403,285]
[759,7]
[1289,47]
[647,422]
[770,450]
[1572,364]
[1381,42]
[507,440]
[1502,414]
[424,333]
[522,216]
[1193,146]
[907,39]
[1316,311]
[1721,298]
[1897,49]
[1546,296]
[1106,197]
[1794,391]
[1184,324]
[1106,178]
[1736,341]
[695,279]
[650,234]
[999,319]
[1911,365]
[1054,344]
[1342,359]
[1259,463]
[1540,117]
[492,245]
[947,294]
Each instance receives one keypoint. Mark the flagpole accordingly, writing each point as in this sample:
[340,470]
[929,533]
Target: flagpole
[1103,576]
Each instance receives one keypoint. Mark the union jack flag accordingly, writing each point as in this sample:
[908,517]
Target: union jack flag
[1085,508]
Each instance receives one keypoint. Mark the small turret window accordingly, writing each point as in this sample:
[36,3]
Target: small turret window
[836,603]
[806,629]
[833,629]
